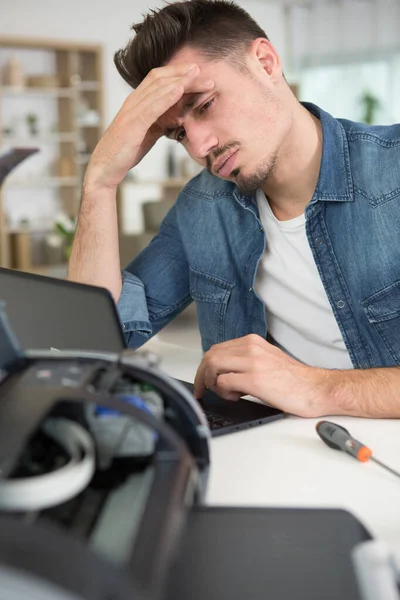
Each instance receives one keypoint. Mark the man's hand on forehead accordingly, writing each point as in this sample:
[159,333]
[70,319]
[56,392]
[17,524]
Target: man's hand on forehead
[195,88]
[180,110]
[154,108]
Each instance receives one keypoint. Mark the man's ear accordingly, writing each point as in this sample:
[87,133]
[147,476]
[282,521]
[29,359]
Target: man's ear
[265,55]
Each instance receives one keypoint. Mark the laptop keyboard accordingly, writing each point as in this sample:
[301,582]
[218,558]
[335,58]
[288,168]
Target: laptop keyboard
[217,421]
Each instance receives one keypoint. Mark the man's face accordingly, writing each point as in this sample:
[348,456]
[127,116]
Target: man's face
[237,128]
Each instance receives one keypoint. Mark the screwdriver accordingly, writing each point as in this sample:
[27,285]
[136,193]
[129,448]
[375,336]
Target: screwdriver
[339,438]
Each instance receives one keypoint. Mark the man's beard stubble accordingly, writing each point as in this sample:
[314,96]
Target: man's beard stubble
[249,184]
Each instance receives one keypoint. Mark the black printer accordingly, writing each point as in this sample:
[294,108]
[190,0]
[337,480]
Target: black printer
[103,473]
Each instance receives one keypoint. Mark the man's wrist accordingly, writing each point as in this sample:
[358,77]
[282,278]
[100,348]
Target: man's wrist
[321,394]
[353,392]
[94,196]
[332,392]
[92,186]
[332,386]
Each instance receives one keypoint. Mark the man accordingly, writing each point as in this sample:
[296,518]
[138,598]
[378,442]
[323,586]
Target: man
[291,231]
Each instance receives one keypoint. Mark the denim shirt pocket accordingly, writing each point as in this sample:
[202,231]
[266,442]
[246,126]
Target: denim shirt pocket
[383,312]
[211,295]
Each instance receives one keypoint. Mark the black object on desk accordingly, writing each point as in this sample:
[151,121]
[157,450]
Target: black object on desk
[226,416]
[46,313]
[133,526]
[274,553]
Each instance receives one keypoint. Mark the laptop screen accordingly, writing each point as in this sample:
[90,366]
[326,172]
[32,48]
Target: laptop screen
[50,313]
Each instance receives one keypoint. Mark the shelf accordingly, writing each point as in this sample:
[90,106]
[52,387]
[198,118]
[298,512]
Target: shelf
[83,159]
[70,123]
[84,125]
[29,229]
[48,44]
[38,91]
[88,86]
[42,182]
[45,139]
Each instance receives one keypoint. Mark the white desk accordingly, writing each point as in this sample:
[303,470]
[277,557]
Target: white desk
[285,463]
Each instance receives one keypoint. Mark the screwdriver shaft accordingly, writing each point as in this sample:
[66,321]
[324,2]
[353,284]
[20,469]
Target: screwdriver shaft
[385,466]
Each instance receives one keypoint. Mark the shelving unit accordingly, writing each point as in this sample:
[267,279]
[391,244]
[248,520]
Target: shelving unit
[42,182]
[8,90]
[77,100]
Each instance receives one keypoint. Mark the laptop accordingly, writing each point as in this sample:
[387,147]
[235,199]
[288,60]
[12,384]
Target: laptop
[48,313]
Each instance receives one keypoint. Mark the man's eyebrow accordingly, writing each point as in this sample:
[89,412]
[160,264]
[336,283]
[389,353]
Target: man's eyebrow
[192,102]
[188,106]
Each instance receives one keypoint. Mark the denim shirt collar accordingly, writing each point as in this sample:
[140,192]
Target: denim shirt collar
[335,182]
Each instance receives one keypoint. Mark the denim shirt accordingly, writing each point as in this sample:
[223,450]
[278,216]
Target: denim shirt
[210,243]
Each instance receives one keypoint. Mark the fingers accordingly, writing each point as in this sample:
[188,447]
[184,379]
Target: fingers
[182,87]
[199,385]
[225,364]
[212,382]
[156,104]
[225,348]
[241,355]
[153,84]
[185,85]
[161,98]
[177,70]
[230,386]
[155,79]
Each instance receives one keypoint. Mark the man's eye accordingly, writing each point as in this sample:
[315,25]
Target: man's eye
[181,136]
[207,105]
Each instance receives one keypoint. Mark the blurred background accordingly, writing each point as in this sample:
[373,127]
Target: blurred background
[59,90]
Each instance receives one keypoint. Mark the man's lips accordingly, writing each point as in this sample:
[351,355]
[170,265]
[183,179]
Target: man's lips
[225,166]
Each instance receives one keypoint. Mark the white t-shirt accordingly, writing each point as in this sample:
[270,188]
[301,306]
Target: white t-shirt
[300,319]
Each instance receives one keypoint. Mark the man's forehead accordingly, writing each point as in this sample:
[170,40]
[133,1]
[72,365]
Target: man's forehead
[187,54]
[181,108]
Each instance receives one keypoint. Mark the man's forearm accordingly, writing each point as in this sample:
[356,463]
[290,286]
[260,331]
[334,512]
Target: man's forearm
[251,365]
[95,251]
[364,393]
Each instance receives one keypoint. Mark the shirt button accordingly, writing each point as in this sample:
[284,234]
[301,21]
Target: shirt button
[124,326]
[340,304]
[319,241]
[250,289]
[364,366]
[261,229]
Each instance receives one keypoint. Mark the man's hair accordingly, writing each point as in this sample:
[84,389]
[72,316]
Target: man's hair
[219,29]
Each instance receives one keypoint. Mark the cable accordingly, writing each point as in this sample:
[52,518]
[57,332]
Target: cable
[44,491]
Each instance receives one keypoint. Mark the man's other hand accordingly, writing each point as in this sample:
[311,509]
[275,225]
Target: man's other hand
[251,365]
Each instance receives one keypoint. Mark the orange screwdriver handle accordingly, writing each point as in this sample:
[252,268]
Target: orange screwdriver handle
[339,438]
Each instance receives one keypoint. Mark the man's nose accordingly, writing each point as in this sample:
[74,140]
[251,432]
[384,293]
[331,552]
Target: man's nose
[201,140]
